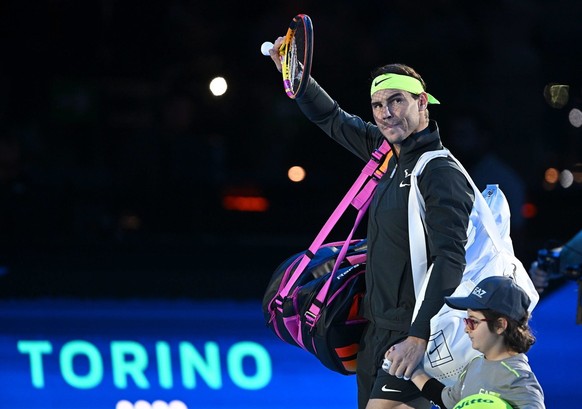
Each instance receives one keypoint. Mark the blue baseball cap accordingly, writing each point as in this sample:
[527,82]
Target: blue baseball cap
[498,293]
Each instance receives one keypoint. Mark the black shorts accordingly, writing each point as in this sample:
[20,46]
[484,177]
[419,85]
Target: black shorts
[373,381]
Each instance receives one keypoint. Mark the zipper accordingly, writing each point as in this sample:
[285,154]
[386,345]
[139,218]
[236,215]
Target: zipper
[394,171]
[373,218]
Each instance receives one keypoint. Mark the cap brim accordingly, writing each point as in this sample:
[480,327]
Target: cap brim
[464,303]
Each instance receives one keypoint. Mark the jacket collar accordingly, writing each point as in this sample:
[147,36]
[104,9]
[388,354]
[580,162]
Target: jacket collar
[416,144]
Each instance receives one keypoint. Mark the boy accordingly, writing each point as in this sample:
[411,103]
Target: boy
[497,324]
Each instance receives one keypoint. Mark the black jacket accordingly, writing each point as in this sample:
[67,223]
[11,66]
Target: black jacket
[390,298]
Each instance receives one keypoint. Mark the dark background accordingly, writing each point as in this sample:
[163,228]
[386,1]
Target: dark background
[115,158]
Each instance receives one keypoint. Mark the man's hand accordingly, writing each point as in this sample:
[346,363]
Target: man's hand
[539,277]
[405,357]
[274,52]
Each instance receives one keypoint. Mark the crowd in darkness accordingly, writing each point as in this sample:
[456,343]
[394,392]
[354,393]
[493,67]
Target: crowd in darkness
[110,139]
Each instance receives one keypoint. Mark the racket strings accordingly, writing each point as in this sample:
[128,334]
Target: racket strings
[298,57]
[296,68]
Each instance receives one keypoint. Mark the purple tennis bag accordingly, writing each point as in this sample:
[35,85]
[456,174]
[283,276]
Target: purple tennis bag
[314,297]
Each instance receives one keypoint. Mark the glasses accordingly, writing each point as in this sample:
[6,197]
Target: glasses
[473,322]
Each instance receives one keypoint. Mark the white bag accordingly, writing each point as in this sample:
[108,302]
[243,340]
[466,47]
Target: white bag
[489,252]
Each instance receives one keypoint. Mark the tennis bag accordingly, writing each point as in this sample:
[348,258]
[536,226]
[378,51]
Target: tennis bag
[314,297]
[332,335]
[489,252]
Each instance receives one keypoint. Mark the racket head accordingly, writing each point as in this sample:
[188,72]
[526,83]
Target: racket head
[296,55]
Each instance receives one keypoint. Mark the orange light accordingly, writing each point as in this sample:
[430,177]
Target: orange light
[529,210]
[130,222]
[245,203]
[551,175]
[296,173]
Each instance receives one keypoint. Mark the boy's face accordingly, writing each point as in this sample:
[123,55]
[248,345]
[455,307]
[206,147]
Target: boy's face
[482,339]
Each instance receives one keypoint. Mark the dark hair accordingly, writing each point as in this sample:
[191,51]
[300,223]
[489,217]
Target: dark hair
[517,336]
[401,69]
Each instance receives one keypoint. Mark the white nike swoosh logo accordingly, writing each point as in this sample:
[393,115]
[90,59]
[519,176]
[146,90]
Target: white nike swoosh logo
[385,389]
[406,175]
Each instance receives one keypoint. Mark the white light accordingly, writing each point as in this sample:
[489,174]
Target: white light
[142,404]
[124,404]
[218,86]
[575,117]
[158,404]
[176,404]
[566,178]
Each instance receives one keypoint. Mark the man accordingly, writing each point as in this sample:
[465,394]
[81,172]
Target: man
[560,262]
[399,107]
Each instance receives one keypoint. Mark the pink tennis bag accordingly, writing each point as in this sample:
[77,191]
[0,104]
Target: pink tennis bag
[313,300]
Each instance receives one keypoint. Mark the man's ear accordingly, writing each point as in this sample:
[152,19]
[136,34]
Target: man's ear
[422,101]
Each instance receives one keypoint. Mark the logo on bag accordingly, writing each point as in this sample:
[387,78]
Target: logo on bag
[437,350]
[342,275]
[479,292]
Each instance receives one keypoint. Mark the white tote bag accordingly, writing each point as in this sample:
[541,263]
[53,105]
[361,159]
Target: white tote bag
[489,252]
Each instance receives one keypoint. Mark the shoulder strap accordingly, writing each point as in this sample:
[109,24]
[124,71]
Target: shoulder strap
[416,225]
[359,196]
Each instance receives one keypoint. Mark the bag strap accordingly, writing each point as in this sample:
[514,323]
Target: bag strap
[359,196]
[416,223]
[312,314]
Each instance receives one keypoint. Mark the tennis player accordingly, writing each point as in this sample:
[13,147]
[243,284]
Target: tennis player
[399,107]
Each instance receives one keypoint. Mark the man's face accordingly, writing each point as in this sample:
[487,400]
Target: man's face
[398,114]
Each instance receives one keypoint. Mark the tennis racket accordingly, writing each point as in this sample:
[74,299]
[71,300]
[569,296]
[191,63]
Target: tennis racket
[296,54]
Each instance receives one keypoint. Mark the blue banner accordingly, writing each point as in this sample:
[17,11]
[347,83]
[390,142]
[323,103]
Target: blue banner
[156,354]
